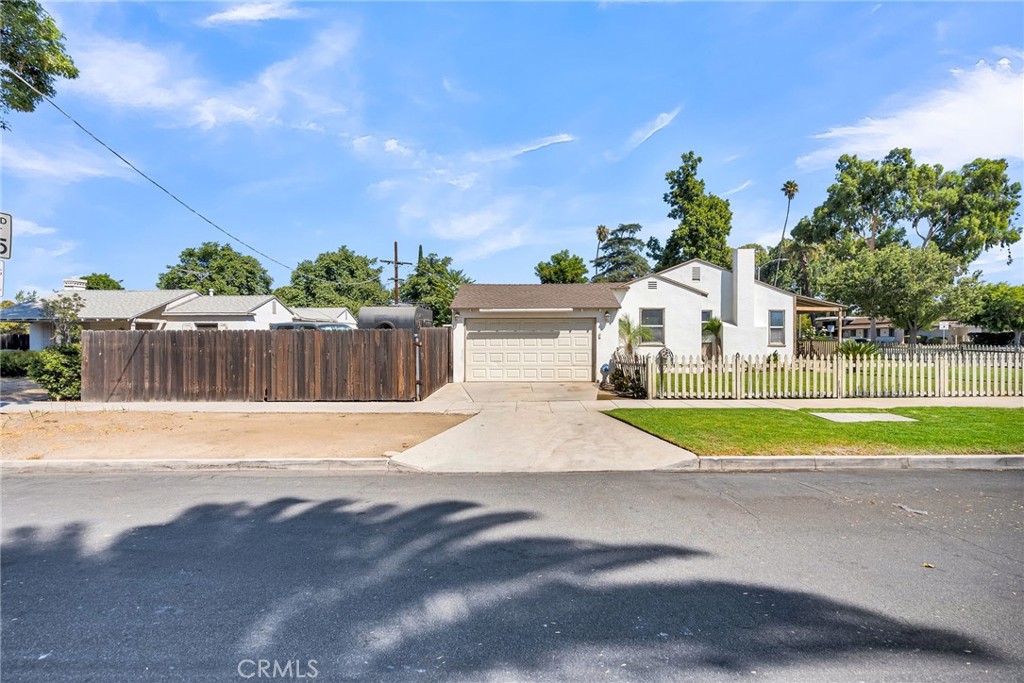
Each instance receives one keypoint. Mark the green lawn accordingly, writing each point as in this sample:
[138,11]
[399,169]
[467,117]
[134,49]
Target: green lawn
[754,431]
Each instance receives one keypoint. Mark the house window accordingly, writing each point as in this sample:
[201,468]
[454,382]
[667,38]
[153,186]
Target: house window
[776,328]
[653,319]
[705,316]
[695,275]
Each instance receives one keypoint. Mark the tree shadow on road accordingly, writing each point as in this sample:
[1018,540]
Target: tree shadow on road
[440,591]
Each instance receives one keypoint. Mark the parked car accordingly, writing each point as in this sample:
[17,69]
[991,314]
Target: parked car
[311,325]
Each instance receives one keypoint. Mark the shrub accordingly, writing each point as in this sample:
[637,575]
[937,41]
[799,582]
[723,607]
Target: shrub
[16,363]
[58,369]
[856,349]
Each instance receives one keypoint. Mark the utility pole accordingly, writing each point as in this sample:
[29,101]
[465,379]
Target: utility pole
[396,263]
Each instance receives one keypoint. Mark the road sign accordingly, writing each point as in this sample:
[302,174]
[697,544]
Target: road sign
[5,235]
[1,279]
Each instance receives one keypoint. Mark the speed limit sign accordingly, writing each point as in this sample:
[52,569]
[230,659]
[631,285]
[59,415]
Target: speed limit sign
[5,235]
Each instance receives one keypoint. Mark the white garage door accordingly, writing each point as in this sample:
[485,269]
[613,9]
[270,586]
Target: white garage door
[529,350]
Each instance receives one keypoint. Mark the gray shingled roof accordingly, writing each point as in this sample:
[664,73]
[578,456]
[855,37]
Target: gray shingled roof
[473,296]
[222,304]
[102,304]
[324,313]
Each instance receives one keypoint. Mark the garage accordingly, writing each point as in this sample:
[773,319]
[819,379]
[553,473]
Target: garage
[554,350]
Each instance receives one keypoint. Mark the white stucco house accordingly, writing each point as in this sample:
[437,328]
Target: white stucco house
[150,309]
[250,312]
[567,332]
[325,314]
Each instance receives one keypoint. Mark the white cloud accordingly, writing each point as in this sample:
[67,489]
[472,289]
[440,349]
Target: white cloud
[393,146]
[995,268]
[23,226]
[254,12]
[738,188]
[498,242]
[67,164]
[292,92]
[644,133]
[129,74]
[980,114]
[505,153]
[492,219]
[458,93]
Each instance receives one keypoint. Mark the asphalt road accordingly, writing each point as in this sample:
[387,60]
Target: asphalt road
[632,577]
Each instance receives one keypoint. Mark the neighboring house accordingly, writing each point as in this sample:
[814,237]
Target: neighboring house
[151,309]
[253,312]
[859,327]
[338,314]
[567,332]
[115,309]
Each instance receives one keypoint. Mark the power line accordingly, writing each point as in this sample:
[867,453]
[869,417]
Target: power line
[173,196]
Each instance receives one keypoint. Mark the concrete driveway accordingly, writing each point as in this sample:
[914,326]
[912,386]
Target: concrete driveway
[502,392]
[533,441]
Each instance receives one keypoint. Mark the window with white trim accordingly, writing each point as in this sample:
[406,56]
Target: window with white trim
[653,319]
[776,328]
[705,316]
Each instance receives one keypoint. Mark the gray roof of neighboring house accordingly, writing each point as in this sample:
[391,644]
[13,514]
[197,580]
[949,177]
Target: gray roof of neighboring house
[325,314]
[102,304]
[217,304]
[535,296]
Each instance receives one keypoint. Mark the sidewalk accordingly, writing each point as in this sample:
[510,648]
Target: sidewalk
[526,436]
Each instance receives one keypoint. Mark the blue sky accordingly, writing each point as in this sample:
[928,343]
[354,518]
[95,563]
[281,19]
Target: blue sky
[497,134]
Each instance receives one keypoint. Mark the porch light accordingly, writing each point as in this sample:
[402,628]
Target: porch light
[607,317]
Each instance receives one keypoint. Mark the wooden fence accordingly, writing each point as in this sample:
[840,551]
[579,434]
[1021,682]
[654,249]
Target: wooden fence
[264,365]
[979,374]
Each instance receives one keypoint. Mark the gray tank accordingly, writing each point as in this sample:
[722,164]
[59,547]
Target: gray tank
[395,317]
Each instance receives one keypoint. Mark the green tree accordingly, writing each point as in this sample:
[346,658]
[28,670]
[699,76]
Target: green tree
[705,220]
[712,331]
[563,268]
[963,213]
[621,256]
[857,282]
[869,202]
[434,284]
[602,235]
[966,212]
[12,328]
[1001,309]
[62,310]
[914,287]
[789,188]
[219,268]
[101,281]
[32,46]
[336,278]
[632,334]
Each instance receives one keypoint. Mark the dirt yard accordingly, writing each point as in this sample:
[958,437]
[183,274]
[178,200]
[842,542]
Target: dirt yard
[145,435]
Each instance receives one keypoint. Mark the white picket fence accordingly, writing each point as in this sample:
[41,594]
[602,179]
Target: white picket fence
[938,375]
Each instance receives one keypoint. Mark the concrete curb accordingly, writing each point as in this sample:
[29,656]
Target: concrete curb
[225,465]
[749,463]
[825,463]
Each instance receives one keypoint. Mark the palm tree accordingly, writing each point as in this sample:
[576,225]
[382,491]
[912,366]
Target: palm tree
[602,235]
[789,188]
[712,330]
[632,335]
